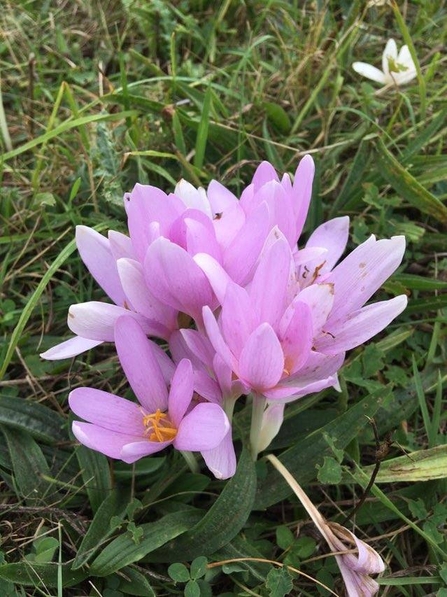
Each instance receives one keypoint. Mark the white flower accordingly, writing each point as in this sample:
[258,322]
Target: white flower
[398,69]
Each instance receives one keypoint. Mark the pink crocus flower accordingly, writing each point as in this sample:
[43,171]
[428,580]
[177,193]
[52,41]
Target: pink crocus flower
[111,263]
[282,348]
[122,429]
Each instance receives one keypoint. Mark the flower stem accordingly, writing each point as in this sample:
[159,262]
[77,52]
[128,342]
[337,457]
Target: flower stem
[257,413]
[190,461]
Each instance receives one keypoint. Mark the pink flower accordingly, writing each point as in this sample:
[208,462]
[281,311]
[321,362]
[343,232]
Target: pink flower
[123,429]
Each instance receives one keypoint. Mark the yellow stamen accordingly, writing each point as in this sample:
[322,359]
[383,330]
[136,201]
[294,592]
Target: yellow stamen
[159,427]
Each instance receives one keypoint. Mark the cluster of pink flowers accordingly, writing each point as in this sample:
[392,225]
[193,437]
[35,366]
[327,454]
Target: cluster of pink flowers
[243,309]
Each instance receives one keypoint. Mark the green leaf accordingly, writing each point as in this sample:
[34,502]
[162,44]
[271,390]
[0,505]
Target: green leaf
[29,466]
[95,475]
[199,566]
[278,117]
[132,582]
[179,572]
[123,550]
[284,537]
[202,133]
[406,185]
[32,574]
[423,465]
[279,582]
[108,517]
[222,522]
[39,421]
[302,458]
[330,472]
[192,589]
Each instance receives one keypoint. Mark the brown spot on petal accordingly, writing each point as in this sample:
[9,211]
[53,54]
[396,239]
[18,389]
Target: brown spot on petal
[70,315]
[362,264]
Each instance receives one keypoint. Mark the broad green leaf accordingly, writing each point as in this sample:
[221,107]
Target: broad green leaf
[32,574]
[423,465]
[221,523]
[279,582]
[123,550]
[302,458]
[29,466]
[132,582]
[107,518]
[39,421]
[95,475]
[407,186]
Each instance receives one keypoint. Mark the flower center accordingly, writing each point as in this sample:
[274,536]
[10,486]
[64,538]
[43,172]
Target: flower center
[158,427]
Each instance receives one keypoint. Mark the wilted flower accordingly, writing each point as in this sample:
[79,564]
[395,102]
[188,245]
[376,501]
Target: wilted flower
[397,68]
[360,559]
[120,428]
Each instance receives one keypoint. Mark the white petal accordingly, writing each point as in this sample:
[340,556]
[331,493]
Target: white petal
[369,71]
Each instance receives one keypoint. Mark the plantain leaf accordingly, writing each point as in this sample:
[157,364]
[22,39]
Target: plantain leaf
[221,523]
[38,420]
[42,575]
[302,459]
[29,466]
[95,475]
[126,549]
[107,518]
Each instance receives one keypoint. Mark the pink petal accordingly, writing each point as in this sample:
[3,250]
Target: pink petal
[69,348]
[221,460]
[140,365]
[142,300]
[97,256]
[145,205]
[107,410]
[333,236]
[302,192]
[215,273]
[271,423]
[238,318]
[264,173]
[120,245]
[95,320]
[175,279]
[135,450]
[261,363]
[320,300]
[362,272]
[248,242]
[192,345]
[207,387]
[297,338]
[202,429]
[220,198]
[360,326]
[269,284]
[215,337]
[181,392]
[193,198]
[102,440]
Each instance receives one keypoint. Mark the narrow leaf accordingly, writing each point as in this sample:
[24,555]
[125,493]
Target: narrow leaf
[406,185]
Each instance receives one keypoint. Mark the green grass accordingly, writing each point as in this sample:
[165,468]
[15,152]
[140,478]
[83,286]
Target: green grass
[96,96]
